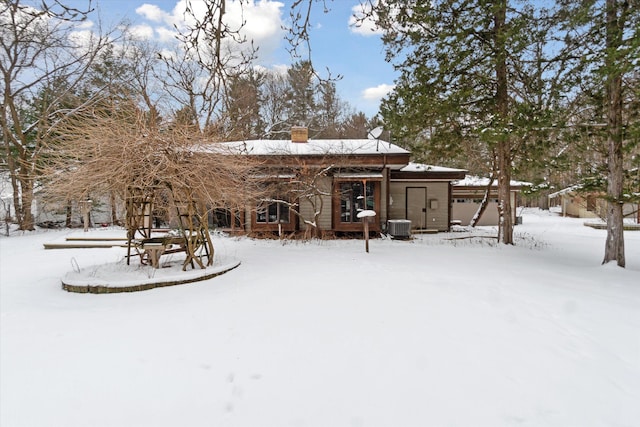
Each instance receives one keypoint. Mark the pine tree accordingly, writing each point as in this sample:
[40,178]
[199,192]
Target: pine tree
[301,100]
[605,35]
[462,89]
[242,116]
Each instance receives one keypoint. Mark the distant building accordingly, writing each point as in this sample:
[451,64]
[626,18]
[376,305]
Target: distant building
[575,203]
[468,194]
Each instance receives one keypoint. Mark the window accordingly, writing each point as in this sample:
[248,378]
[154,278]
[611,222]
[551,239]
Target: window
[470,200]
[355,197]
[273,213]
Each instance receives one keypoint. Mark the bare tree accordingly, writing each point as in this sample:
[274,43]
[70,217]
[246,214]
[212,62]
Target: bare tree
[209,54]
[114,149]
[42,56]
[274,108]
[117,151]
[305,195]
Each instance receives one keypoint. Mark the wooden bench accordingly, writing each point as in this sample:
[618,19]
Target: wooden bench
[152,249]
[153,252]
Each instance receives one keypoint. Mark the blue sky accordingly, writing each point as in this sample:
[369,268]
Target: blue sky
[357,55]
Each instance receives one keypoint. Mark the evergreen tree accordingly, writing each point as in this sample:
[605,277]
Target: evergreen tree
[605,35]
[355,126]
[244,99]
[301,101]
[464,90]
[329,110]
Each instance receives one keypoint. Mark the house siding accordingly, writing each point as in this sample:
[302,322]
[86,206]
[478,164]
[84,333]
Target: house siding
[436,218]
[577,207]
[464,212]
[466,202]
[306,209]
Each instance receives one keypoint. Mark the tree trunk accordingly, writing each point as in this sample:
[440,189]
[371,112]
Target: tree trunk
[502,108]
[69,212]
[17,205]
[504,194]
[614,247]
[114,210]
[27,220]
[484,203]
[15,184]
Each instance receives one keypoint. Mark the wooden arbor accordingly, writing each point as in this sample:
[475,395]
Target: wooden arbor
[191,237]
[192,219]
[176,170]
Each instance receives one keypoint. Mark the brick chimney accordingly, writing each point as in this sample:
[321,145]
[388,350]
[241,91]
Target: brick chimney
[299,134]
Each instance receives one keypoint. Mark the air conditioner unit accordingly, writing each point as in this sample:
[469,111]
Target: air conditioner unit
[399,228]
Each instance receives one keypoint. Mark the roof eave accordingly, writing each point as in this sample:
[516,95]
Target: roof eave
[422,175]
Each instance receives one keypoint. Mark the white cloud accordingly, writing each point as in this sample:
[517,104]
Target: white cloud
[361,25]
[85,25]
[141,32]
[378,92]
[152,13]
[262,20]
[165,35]
[281,69]
[81,39]
[37,23]
[167,54]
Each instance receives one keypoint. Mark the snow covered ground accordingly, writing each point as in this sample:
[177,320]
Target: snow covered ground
[428,332]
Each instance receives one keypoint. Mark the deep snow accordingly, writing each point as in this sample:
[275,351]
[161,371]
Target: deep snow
[427,332]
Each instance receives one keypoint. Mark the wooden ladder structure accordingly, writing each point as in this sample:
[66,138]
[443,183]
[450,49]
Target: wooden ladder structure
[192,220]
[139,216]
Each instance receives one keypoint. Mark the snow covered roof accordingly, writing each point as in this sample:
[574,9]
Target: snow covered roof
[477,181]
[566,190]
[313,147]
[418,171]
[356,175]
[419,167]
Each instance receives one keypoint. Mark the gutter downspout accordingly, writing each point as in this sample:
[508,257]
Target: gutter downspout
[385,217]
[450,206]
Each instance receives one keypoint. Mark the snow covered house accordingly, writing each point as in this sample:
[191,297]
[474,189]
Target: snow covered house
[48,211]
[576,204]
[350,175]
[468,194]
[581,204]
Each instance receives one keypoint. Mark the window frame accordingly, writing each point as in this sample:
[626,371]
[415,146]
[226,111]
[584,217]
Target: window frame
[355,226]
[273,226]
[267,205]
